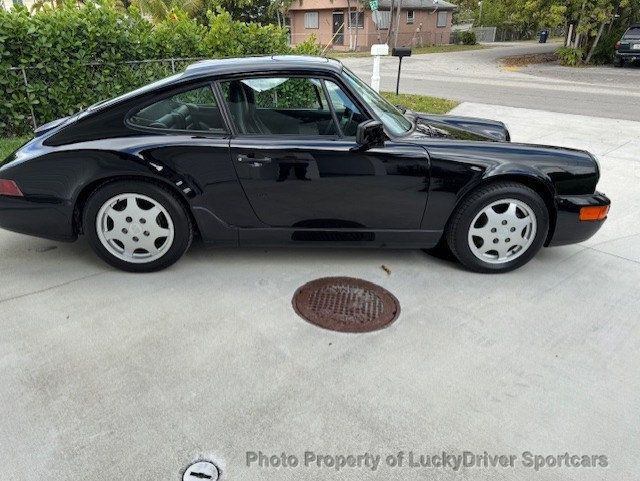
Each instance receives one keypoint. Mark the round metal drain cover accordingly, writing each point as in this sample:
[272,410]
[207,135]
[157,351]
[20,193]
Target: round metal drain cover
[202,470]
[346,304]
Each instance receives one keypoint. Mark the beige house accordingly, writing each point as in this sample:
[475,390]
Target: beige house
[422,22]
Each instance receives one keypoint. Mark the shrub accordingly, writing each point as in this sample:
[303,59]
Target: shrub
[605,50]
[76,55]
[468,38]
[309,47]
[570,56]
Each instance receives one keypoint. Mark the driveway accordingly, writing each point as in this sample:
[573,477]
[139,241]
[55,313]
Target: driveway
[112,376]
[477,76]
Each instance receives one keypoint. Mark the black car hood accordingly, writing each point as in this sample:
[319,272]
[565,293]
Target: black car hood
[454,127]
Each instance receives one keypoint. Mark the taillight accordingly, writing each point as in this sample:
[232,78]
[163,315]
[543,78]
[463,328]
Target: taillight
[10,188]
[617,45]
[594,212]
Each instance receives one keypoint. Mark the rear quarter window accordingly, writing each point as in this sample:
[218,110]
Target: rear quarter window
[191,110]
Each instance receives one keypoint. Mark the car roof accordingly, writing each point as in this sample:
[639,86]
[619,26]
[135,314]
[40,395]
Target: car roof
[225,66]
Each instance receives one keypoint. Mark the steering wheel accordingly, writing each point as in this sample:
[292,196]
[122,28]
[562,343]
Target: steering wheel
[347,118]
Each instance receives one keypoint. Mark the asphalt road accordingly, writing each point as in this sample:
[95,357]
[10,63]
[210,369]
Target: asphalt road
[477,76]
[106,375]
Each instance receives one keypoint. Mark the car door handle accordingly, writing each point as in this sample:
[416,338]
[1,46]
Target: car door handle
[249,158]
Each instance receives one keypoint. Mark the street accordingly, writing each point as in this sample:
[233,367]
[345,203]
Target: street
[477,76]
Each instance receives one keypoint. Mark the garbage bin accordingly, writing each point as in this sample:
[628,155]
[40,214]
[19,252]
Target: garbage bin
[544,36]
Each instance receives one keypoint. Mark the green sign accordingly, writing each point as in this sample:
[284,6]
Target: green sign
[373,4]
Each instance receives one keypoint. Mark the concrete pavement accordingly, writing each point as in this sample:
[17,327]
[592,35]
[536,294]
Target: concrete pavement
[477,76]
[112,376]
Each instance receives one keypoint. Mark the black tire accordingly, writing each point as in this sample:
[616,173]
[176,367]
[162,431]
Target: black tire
[618,62]
[183,228]
[460,222]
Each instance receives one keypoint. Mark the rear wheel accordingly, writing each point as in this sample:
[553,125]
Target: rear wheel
[137,226]
[498,228]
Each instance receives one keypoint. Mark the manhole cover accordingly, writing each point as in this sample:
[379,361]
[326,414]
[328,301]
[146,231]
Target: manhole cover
[202,470]
[346,304]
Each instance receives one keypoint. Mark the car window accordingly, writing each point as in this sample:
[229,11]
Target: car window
[348,113]
[194,110]
[633,32]
[279,106]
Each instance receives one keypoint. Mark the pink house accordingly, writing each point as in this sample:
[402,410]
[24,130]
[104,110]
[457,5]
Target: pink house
[422,22]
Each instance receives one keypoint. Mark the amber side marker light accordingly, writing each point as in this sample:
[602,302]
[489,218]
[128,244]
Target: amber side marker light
[10,188]
[594,213]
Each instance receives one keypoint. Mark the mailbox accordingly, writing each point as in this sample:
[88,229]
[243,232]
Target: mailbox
[401,52]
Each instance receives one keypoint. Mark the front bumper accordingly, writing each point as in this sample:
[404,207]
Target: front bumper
[37,217]
[569,229]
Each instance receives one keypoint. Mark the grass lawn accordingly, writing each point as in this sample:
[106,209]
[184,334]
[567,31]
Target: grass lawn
[414,51]
[421,103]
[8,145]
[417,103]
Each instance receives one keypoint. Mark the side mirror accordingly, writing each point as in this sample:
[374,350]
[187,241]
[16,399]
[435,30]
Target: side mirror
[370,134]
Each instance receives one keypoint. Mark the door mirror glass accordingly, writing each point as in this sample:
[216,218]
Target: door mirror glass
[370,134]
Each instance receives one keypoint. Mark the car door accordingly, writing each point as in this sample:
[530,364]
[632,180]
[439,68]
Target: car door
[298,163]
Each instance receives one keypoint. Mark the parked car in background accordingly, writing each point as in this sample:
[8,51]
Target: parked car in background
[292,151]
[628,48]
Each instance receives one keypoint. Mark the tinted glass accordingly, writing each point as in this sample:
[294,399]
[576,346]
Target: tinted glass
[349,115]
[279,106]
[194,110]
[632,33]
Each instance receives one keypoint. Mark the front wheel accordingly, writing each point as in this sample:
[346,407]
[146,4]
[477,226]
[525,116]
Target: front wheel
[137,226]
[498,228]
[618,61]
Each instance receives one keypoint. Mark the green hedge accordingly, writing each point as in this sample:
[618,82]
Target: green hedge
[74,56]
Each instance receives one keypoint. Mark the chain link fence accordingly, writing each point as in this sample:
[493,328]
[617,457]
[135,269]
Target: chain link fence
[33,95]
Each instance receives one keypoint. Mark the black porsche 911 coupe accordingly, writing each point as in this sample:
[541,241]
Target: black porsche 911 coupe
[291,150]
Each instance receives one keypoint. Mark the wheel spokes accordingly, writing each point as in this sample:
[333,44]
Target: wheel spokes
[502,230]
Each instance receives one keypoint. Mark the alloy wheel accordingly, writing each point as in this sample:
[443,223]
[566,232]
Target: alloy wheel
[135,228]
[502,231]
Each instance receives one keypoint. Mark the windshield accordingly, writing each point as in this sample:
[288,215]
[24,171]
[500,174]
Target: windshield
[393,120]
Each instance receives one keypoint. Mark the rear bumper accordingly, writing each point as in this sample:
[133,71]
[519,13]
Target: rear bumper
[569,229]
[634,55]
[37,218]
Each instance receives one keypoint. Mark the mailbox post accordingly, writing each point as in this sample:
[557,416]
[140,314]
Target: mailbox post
[400,52]
[377,50]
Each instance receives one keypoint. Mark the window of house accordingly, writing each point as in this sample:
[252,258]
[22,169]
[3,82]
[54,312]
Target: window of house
[279,106]
[356,19]
[381,18]
[193,110]
[410,16]
[443,19]
[311,20]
